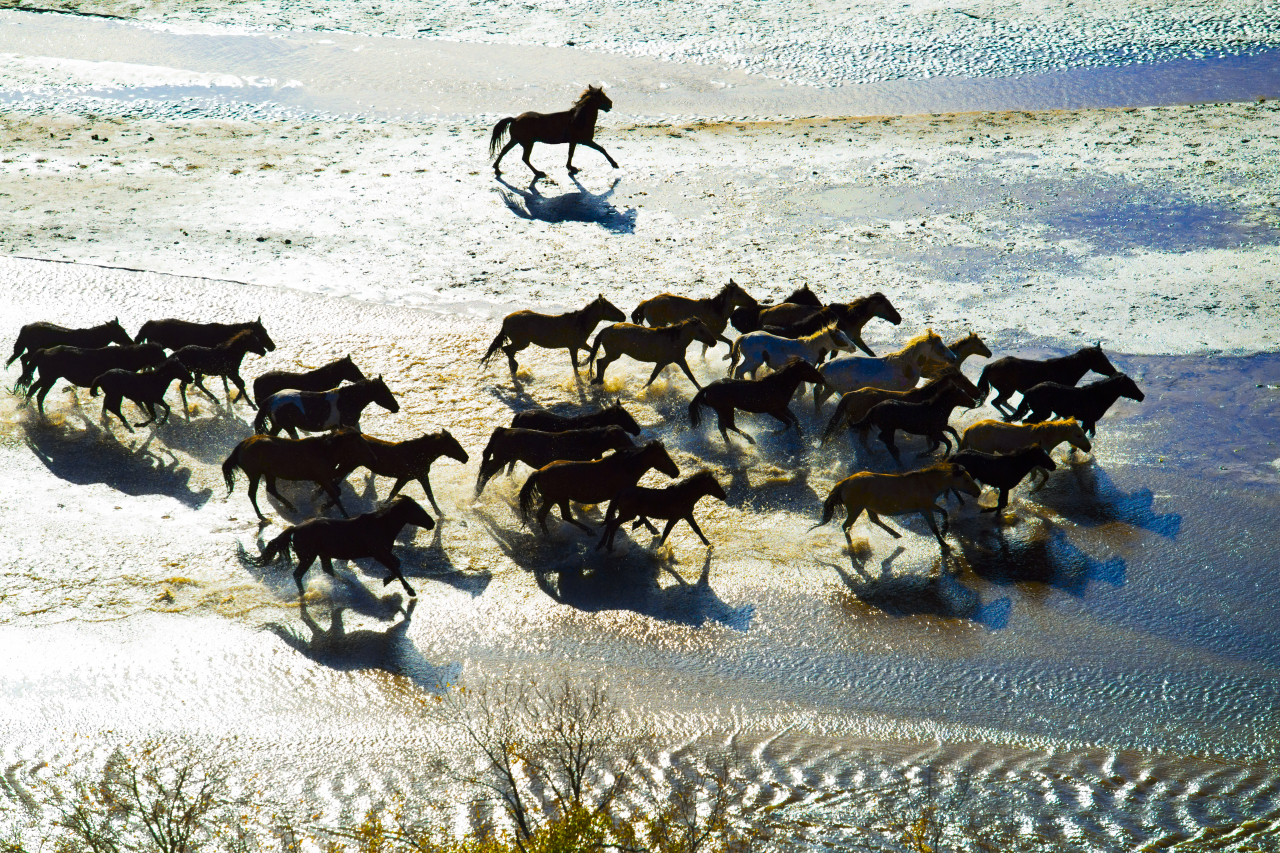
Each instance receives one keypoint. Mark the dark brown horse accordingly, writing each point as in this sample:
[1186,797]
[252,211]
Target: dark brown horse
[1087,404]
[660,347]
[1002,470]
[926,417]
[176,334]
[38,336]
[667,309]
[316,458]
[589,482]
[82,366]
[221,360]
[146,388]
[855,405]
[1010,373]
[770,395]
[323,378]
[673,503]
[367,536]
[576,126]
[570,330]
[548,421]
[509,445]
[410,460]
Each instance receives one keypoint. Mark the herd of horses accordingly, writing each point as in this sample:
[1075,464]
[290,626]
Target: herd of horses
[595,457]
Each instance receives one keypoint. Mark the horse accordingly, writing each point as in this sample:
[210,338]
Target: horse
[898,494]
[992,436]
[176,334]
[674,503]
[666,309]
[221,360]
[509,445]
[37,336]
[1010,373]
[409,460]
[370,535]
[1087,404]
[323,378]
[851,316]
[855,405]
[576,126]
[547,421]
[553,331]
[770,395]
[661,346]
[592,482]
[82,366]
[897,371]
[1003,470]
[317,458]
[761,348]
[964,347]
[803,296]
[146,388]
[926,417]
[316,411]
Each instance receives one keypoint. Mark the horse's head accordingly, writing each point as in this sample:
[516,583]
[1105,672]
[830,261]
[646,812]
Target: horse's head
[252,342]
[958,379]
[1128,388]
[804,296]
[594,96]
[174,369]
[408,511]
[1074,435]
[116,333]
[347,370]
[450,447]
[1097,360]
[737,297]
[656,455]
[838,339]
[1041,457]
[973,345]
[880,306]
[961,480]
[617,439]
[621,417]
[797,367]
[954,395]
[935,350]
[382,395]
[707,483]
[607,311]
[261,332]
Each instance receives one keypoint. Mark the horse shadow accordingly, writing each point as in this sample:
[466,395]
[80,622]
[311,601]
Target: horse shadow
[95,455]
[390,650]
[594,580]
[433,562]
[1042,553]
[580,206]
[1086,495]
[938,593]
[209,440]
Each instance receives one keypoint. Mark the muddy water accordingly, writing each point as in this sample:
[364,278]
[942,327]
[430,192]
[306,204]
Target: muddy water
[1097,665]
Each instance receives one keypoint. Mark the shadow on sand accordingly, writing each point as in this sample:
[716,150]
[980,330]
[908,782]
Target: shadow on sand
[627,579]
[580,206]
[95,455]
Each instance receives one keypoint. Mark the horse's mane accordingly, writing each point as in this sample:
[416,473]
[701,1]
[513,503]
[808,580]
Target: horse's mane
[830,327]
[575,112]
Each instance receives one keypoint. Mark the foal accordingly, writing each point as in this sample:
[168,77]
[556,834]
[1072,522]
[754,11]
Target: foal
[770,395]
[146,388]
[855,405]
[673,503]
[82,366]
[927,417]
[1003,470]
[221,360]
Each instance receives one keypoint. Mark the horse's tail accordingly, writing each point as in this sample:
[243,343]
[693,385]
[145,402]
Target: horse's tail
[276,548]
[837,421]
[260,419]
[984,387]
[735,353]
[698,401]
[496,345]
[96,386]
[229,467]
[528,495]
[18,346]
[829,506]
[637,315]
[595,348]
[28,373]
[495,139]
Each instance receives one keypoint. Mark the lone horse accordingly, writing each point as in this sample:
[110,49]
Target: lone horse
[576,126]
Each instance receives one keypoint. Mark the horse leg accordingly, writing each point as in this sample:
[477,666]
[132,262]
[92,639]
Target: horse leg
[875,519]
[253,495]
[850,516]
[331,488]
[886,435]
[726,423]
[198,381]
[226,389]
[182,391]
[788,419]
[568,164]
[511,143]
[568,516]
[1001,503]
[244,394]
[1001,403]
[928,517]
[528,149]
[511,349]
[304,563]
[573,357]
[696,529]
[543,511]
[666,530]
[591,143]
[642,521]
[392,562]
[684,365]
[426,487]
[656,370]
[271,490]
[602,364]
[326,563]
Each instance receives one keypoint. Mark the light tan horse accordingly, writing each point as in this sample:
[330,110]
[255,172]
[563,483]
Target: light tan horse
[552,331]
[661,346]
[898,371]
[993,436]
[667,309]
[969,345]
[898,494]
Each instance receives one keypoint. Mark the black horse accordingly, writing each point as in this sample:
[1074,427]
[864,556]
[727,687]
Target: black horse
[146,388]
[370,535]
[1011,373]
[176,334]
[82,366]
[323,378]
[548,421]
[576,126]
[37,336]
[320,411]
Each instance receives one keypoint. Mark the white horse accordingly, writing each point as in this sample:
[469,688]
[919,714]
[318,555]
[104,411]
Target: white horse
[899,371]
[757,348]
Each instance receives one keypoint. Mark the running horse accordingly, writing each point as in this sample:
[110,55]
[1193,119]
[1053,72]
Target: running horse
[667,309]
[576,126]
[322,410]
[319,458]
[569,330]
